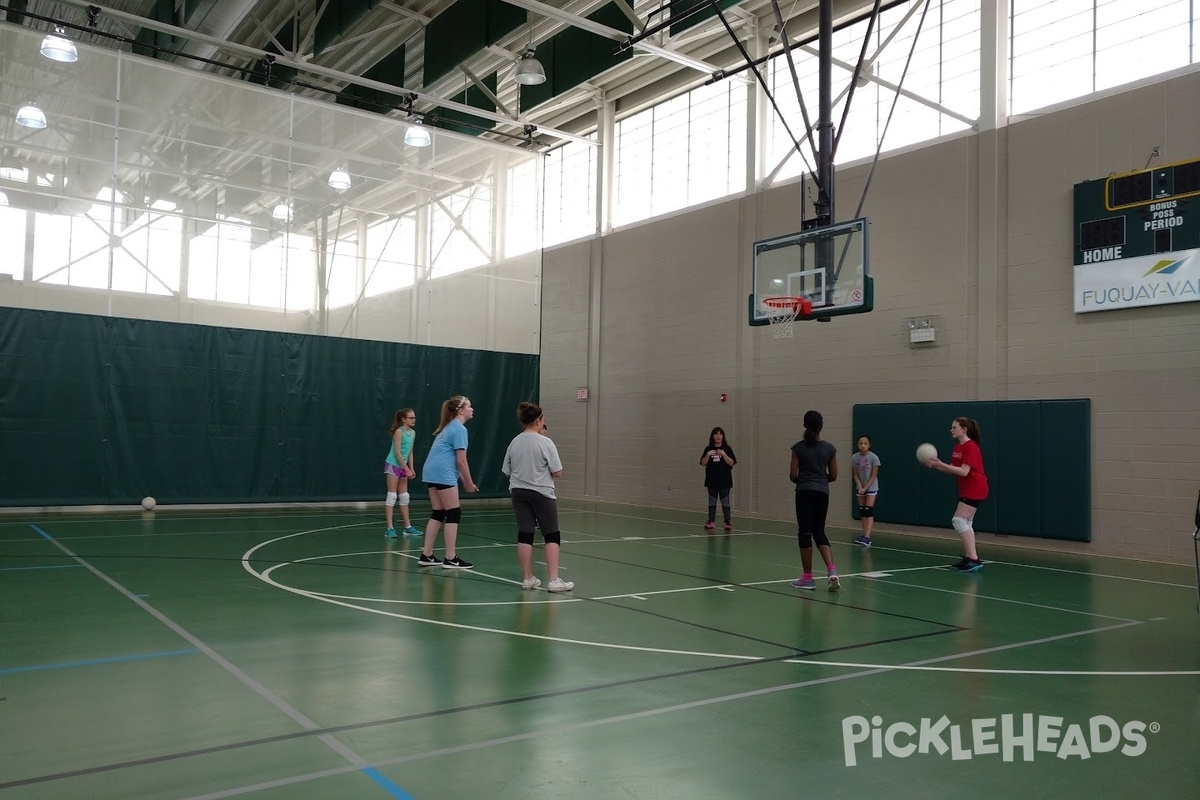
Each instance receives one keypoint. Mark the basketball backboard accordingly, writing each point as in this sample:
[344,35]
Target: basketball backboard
[828,266]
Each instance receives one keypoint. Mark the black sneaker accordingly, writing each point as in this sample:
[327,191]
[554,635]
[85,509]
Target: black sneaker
[969,565]
[428,561]
[456,563]
[961,565]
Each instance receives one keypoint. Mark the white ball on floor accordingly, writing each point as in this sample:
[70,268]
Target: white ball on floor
[925,452]
[361,505]
[148,503]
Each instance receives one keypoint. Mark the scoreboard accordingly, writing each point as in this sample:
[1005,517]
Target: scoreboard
[1137,238]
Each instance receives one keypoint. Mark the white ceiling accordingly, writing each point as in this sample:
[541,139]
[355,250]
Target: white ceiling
[633,85]
[177,142]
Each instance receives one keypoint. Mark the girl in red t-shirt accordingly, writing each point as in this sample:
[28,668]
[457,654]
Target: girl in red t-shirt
[966,463]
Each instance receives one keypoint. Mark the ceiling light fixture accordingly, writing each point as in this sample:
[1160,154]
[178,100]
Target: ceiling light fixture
[282,212]
[417,135]
[30,116]
[339,179]
[57,47]
[530,71]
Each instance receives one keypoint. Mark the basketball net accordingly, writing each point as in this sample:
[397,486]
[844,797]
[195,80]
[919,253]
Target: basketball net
[781,312]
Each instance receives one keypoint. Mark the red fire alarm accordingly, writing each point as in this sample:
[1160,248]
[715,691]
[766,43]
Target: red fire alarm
[724,397]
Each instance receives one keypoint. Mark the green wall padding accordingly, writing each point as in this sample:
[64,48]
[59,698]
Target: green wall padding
[1034,488]
[338,18]
[453,36]
[390,69]
[462,30]
[148,41]
[106,410]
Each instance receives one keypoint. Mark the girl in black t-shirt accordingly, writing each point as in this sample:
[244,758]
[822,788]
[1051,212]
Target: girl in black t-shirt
[718,460]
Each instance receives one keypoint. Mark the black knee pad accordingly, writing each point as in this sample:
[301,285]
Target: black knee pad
[552,538]
[867,511]
[525,537]
[438,514]
[453,515]
[805,540]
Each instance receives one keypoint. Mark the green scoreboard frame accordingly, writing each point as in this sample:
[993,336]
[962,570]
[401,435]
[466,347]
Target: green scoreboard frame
[1137,238]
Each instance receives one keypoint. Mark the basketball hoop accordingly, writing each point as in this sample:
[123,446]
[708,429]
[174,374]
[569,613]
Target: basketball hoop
[781,312]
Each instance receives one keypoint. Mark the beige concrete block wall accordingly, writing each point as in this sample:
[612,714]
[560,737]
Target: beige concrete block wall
[977,232]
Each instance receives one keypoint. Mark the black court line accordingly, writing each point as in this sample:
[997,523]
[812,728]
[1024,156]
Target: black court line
[812,598]
[793,650]
[355,726]
[949,627]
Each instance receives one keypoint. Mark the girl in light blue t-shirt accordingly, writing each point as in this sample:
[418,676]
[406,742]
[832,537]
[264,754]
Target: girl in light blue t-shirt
[444,467]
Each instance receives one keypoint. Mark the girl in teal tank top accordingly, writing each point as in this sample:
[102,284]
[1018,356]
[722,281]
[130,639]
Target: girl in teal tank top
[397,469]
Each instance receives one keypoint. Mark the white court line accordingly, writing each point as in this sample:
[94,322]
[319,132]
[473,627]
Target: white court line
[644,595]
[1089,673]
[248,556]
[313,592]
[1189,587]
[995,599]
[595,723]
[257,688]
[923,664]
[729,587]
[266,577]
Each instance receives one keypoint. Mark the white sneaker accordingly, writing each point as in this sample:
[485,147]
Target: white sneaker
[559,585]
[532,583]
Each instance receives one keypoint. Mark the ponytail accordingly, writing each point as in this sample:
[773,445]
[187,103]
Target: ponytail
[813,423]
[971,427]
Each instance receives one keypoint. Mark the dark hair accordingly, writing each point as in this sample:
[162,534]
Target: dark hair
[863,436]
[813,422]
[398,420]
[528,413]
[712,437]
[971,427]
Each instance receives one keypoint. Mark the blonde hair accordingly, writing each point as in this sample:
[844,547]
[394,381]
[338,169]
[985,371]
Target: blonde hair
[450,410]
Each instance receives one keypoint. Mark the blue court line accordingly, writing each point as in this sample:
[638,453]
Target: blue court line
[42,532]
[93,661]
[392,789]
[52,566]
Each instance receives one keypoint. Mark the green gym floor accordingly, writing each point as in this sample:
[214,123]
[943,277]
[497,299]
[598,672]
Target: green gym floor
[270,654]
